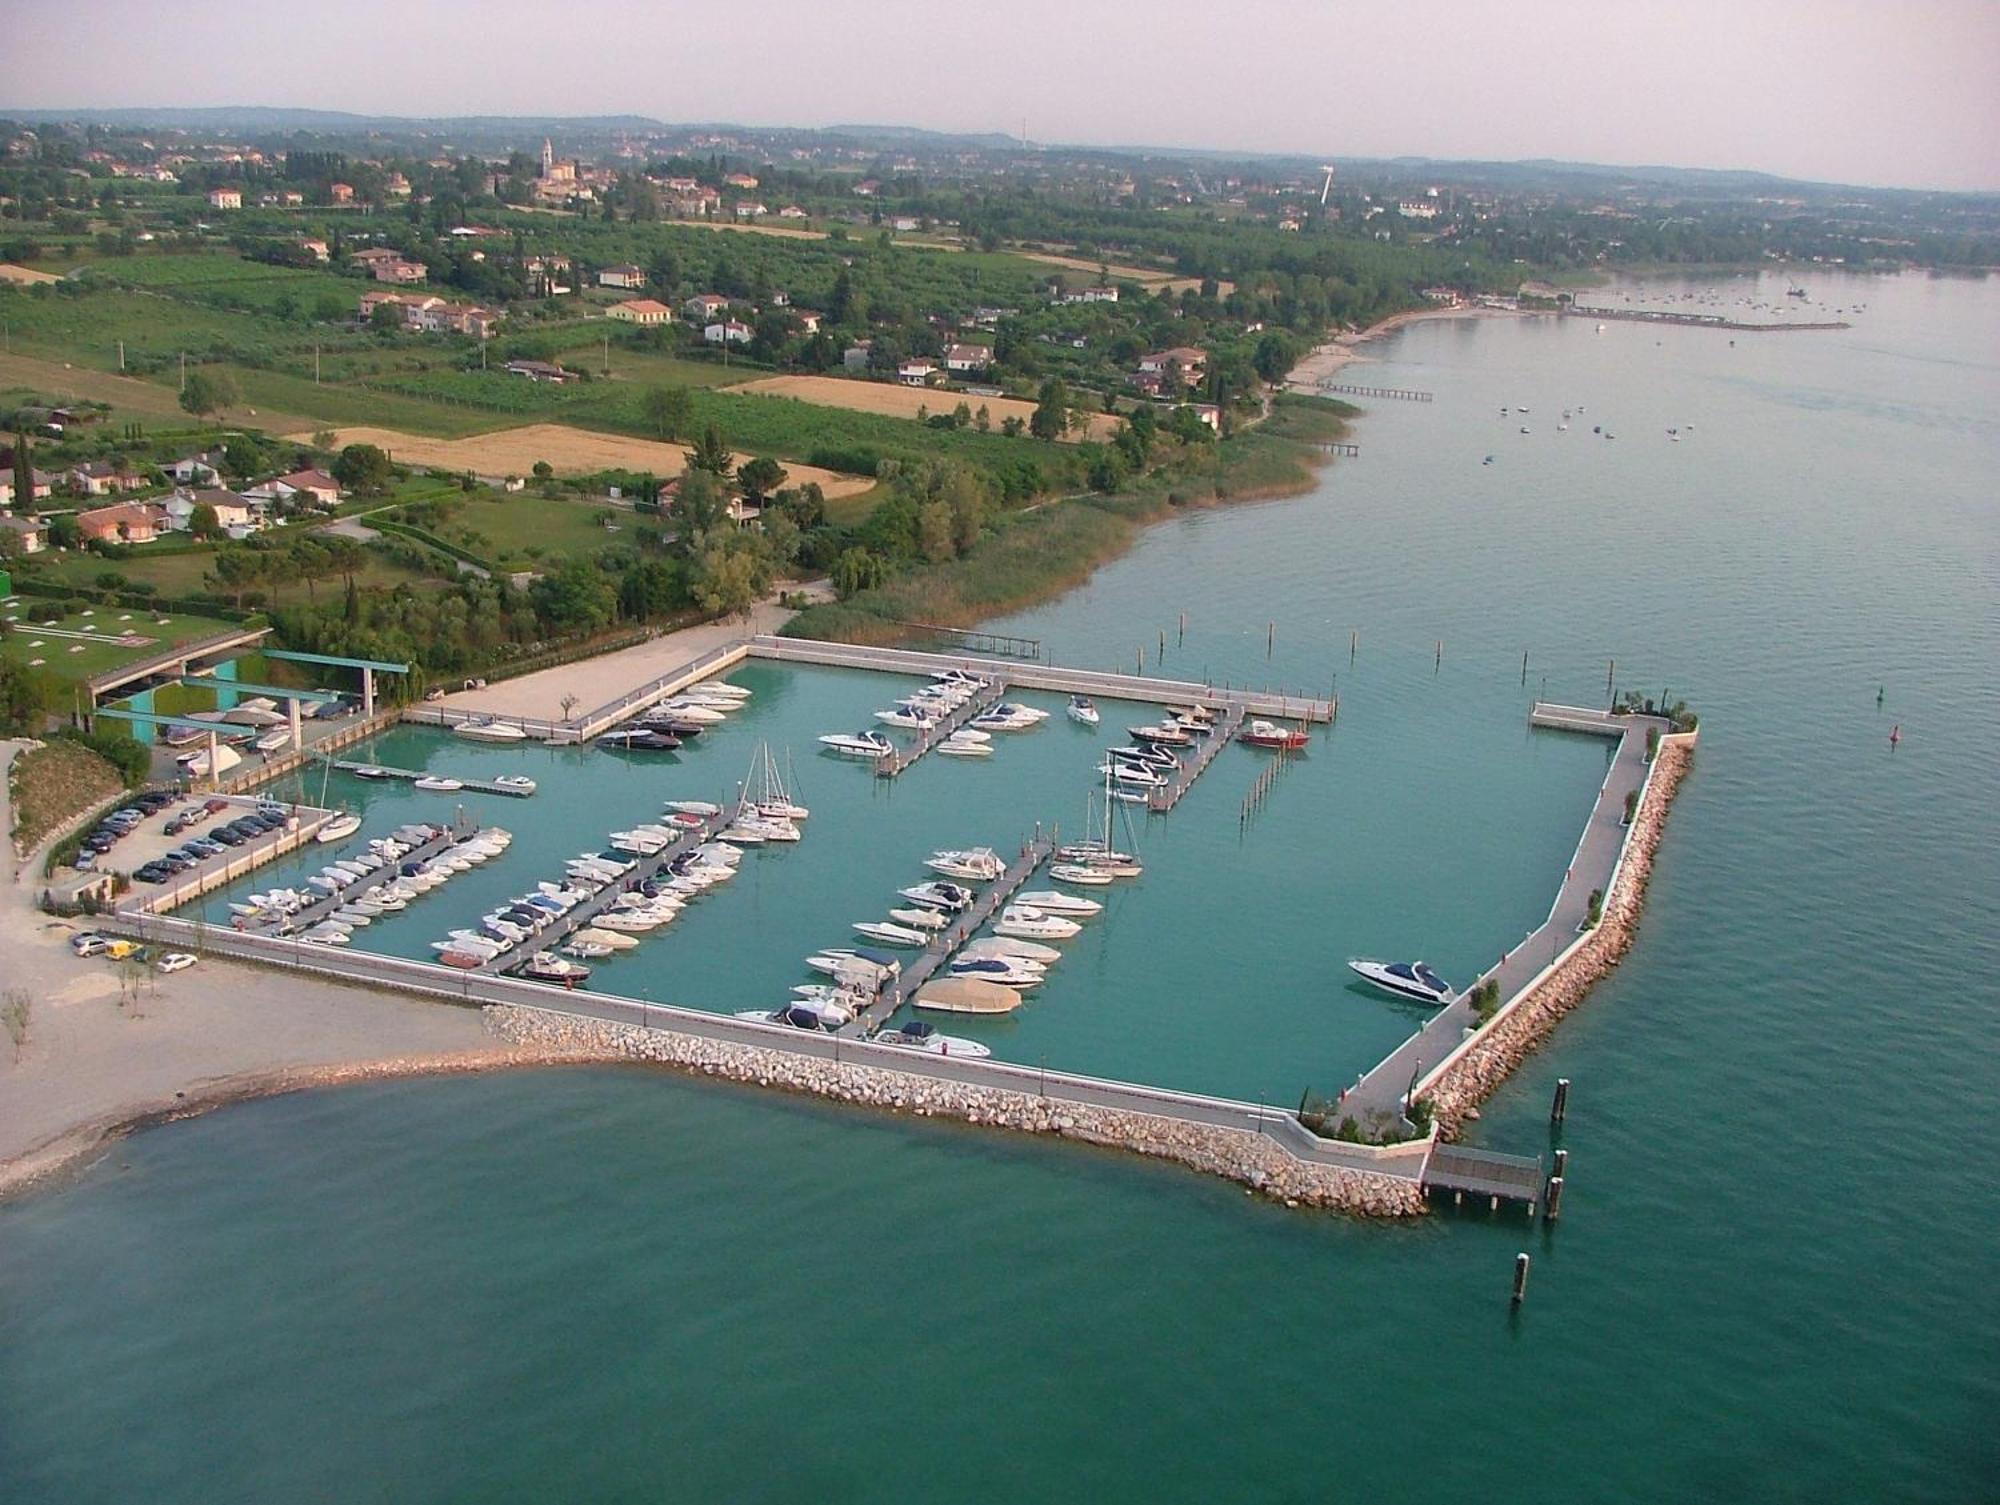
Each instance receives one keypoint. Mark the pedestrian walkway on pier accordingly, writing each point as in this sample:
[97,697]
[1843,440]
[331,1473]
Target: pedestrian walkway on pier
[582,914]
[890,766]
[1400,394]
[1160,801]
[319,909]
[963,927]
[473,786]
[1382,1094]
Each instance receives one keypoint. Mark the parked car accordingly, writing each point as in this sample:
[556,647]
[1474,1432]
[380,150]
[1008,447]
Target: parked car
[216,807]
[176,961]
[152,872]
[89,943]
[228,835]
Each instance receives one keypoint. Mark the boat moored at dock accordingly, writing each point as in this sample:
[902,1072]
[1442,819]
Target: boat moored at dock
[1412,980]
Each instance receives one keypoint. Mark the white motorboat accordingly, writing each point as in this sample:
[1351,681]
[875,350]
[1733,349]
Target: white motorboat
[920,1036]
[891,934]
[516,781]
[325,934]
[490,729]
[271,741]
[863,744]
[935,895]
[953,747]
[640,842]
[920,919]
[909,718]
[981,864]
[613,939]
[1403,979]
[1004,946]
[701,808]
[861,962]
[590,951]
[1132,773]
[1160,732]
[1009,972]
[966,995]
[1077,873]
[1008,718]
[438,784]
[342,825]
[699,713]
[546,966]
[1083,709]
[799,1015]
[721,687]
[1032,924]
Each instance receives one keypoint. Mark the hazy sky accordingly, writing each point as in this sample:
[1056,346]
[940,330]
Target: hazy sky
[1900,92]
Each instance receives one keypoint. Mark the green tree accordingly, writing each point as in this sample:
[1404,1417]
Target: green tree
[202,522]
[24,474]
[700,504]
[1275,356]
[207,392]
[386,318]
[760,477]
[363,469]
[711,454]
[934,534]
[727,579]
[857,570]
[576,597]
[1051,418]
[667,410]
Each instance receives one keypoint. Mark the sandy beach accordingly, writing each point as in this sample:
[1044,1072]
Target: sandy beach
[1324,362]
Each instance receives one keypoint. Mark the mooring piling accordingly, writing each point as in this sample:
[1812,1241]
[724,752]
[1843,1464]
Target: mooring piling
[1520,1278]
[1559,1109]
[1524,666]
[1353,645]
[1552,1200]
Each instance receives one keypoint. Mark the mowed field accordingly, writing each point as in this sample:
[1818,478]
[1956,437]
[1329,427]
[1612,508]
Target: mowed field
[127,394]
[903,402]
[513,452]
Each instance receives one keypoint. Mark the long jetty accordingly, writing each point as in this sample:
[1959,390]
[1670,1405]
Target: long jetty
[575,919]
[1400,394]
[475,786]
[1699,321]
[319,909]
[1159,801]
[922,968]
[889,767]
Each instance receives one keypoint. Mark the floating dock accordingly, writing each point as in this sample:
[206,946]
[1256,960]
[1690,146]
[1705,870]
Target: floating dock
[1699,321]
[469,786]
[924,966]
[931,736]
[319,909]
[1160,801]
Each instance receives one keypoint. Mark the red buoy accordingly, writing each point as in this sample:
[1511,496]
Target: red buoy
[1895,734]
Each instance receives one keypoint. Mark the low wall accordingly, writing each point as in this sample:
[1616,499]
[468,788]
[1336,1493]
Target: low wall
[1253,1159]
[1480,1065]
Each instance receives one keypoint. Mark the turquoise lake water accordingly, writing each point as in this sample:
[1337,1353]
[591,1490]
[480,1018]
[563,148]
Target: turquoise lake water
[1775,1277]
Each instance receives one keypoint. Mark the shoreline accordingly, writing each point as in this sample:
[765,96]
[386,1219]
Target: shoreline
[1325,361]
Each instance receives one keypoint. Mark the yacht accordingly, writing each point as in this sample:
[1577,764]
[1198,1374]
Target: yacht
[766,794]
[1160,732]
[920,919]
[519,782]
[921,1036]
[1077,873]
[891,934]
[694,711]
[701,808]
[491,730]
[1403,979]
[934,895]
[342,825]
[908,717]
[862,744]
[1005,947]
[861,961]
[439,785]
[1270,734]
[639,739]
[546,966]
[1008,971]
[959,745]
[1084,710]
[1132,773]
[1032,924]
[1053,901]
[799,1015]
[979,863]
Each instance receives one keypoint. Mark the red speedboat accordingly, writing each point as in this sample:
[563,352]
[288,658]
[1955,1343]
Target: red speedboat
[1270,734]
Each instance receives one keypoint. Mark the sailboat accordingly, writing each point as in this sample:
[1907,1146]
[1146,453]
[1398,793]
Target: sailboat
[765,792]
[342,823]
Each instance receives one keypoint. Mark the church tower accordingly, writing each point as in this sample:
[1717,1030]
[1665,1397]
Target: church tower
[548,158]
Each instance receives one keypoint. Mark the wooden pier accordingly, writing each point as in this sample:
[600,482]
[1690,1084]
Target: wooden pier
[319,909]
[1160,801]
[1463,1170]
[972,640]
[578,917]
[926,963]
[937,731]
[1400,394]
[471,786]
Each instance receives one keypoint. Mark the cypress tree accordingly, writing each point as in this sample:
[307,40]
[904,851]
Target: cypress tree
[24,474]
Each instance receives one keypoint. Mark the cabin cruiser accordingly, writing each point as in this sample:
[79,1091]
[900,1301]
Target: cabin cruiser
[1009,716]
[639,739]
[800,1015]
[1161,732]
[1073,872]
[921,1036]
[1033,924]
[1403,979]
[1148,755]
[700,808]
[837,961]
[934,895]
[1002,947]
[891,934]
[1270,734]
[909,716]
[920,919]
[980,863]
[489,729]
[1009,972]
[1132,773]
[437,784]
[1084,710]
[516,781]
[640,843]
[861,744]
[961,745]
[546,966]
[694,710]
[614,940]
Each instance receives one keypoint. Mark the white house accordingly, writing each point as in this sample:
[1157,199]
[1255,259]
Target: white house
[729,331]
[916,373]
[962,360]
[627,276]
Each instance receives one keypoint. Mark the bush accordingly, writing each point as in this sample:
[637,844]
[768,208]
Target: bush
[1631,805]
[1596,911]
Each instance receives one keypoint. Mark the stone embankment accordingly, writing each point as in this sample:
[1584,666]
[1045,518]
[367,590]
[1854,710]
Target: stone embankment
[1509,1039]
[1239,1155]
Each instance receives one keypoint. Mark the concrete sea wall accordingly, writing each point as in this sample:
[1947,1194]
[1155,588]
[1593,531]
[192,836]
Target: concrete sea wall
[1491,1056]
[1251,1159]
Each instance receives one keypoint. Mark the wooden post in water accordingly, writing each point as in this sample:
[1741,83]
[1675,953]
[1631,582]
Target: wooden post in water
[1353,644]
[1163,645]
[1553,1202]
[1559,1109]
[1520,1278]
[1270,638]
[1610,675]
[1524,666]
[1439,664]
[1183,627]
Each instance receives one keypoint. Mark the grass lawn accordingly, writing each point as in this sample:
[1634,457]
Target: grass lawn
[657,370]
[504,528]
[95,657]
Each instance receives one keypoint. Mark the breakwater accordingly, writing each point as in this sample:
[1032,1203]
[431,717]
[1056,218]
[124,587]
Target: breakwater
[1470,1074]
[1699,321]
[1253,1158]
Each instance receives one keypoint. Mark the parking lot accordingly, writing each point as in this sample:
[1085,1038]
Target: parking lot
[189,834]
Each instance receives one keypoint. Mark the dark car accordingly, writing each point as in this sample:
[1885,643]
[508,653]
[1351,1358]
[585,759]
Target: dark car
[176,864]
[152,872]
[100,841]
[227,836]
